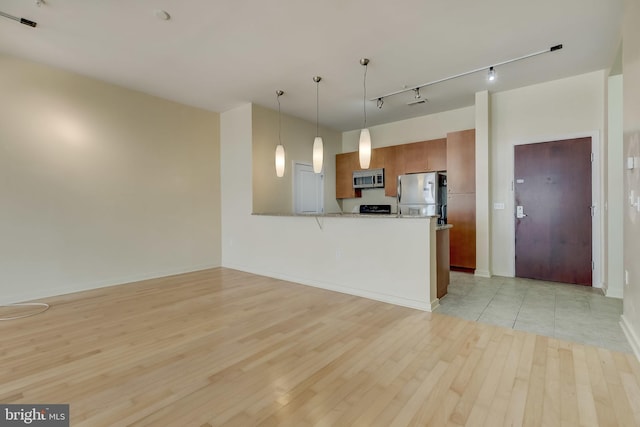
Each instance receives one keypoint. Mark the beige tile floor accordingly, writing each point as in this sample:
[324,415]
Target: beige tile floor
[569,312]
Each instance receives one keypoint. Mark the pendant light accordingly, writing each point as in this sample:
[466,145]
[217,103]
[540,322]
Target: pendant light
[364,146]
[318,149]
[279,147]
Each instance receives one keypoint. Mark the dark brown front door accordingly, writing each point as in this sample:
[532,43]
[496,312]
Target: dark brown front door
[553,211]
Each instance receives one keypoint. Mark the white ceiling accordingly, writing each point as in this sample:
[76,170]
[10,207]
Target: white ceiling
[221,54]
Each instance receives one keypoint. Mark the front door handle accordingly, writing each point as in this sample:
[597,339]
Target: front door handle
[520,212]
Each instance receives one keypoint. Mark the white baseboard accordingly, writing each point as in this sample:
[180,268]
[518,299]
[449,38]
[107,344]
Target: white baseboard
[376,296]
[41,293]
[483,273]
[631,335]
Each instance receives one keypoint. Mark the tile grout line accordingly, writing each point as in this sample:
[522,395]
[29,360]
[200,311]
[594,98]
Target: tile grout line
[520,308]
[487,305]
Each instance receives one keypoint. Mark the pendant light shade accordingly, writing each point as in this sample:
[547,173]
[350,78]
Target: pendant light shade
[318,154]
[279,160]
[280,156]
[318,146]
[364,147]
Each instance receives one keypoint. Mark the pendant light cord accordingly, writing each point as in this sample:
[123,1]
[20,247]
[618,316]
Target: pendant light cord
[317,106]
[278,93]
[364,97]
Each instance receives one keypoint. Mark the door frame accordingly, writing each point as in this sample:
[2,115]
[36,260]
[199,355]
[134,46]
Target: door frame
[597,221]
[294,168]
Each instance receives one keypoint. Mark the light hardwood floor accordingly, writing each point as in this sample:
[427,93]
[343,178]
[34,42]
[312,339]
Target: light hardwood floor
[222,347]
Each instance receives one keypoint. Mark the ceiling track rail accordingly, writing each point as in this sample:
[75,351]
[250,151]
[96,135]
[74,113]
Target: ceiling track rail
[466,73]
[20,20]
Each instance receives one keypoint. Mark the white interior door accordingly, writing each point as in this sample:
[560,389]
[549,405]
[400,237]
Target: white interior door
[308,189]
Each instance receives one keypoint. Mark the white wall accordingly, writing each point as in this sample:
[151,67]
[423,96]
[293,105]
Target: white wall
[352,255]
[275,195]
[631,88]
[554,110]
[483,184]
[417,129]
[100,185]
[615,191]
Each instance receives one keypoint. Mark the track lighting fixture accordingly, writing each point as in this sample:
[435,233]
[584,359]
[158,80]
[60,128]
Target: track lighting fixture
[380,103]
[318,148]
[491,76]
[280,156]
[364,146]
[20,20]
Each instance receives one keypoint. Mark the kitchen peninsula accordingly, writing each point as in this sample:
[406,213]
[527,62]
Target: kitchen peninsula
[382,257]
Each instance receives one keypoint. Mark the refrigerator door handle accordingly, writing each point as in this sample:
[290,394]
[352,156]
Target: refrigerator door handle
[399,190]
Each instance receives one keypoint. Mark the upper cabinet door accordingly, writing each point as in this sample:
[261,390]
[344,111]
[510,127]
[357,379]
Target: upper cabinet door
[437,155]
[346,163]
[415,157]
[461,162]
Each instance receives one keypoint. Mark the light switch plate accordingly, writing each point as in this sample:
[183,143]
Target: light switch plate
[630,163]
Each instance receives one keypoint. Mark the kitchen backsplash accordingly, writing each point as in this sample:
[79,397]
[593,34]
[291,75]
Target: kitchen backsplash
[372,196]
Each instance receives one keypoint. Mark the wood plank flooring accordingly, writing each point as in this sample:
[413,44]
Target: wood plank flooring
[222,347]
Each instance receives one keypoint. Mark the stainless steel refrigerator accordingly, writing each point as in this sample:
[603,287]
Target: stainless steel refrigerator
[423,194]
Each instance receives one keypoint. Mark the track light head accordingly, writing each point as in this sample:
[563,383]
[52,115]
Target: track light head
[492,75]
[380,103]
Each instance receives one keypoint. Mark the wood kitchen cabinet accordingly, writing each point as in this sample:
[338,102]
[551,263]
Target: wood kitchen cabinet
[377,159]
[442,262]
[414,157]
[393,162]
[461,197]
[461,213]
[346,163]
[424,156]
[461,161]
[436,155]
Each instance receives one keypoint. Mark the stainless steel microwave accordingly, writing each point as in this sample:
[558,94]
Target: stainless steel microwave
[369,178]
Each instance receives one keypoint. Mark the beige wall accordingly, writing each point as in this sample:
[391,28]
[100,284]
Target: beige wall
[100,185]
[558,109]
[631,88]
[275,195]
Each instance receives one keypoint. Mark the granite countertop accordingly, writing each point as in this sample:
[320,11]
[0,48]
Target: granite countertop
[356,215]
[343,215]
